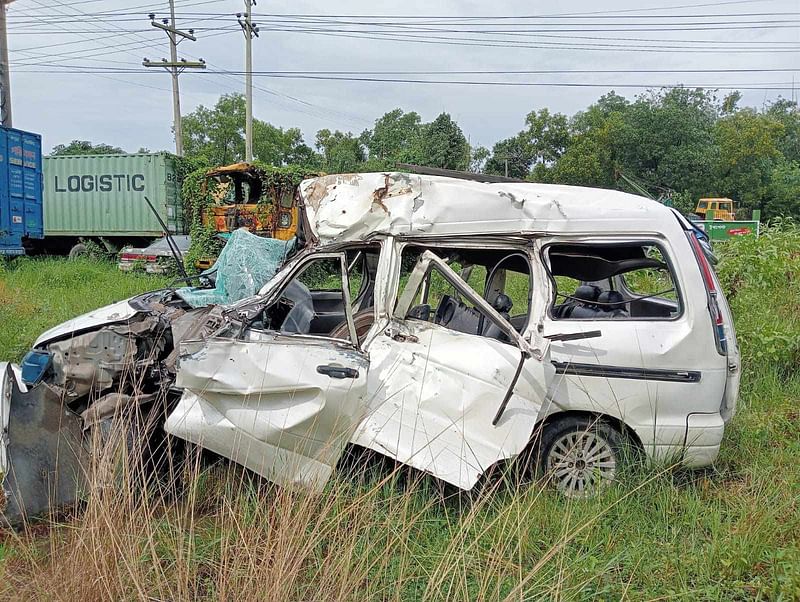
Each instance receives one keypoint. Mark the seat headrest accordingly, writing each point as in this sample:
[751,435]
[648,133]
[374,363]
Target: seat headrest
[611,300]
[502,303]
[587,292]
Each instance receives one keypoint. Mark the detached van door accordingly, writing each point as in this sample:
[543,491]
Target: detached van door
[284,398]
[454,388]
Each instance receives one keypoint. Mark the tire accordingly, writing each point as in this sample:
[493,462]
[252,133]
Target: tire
[78,250]
[580,455]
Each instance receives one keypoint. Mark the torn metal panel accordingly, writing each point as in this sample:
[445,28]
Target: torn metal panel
[44,451]
[356,206]
[284,407]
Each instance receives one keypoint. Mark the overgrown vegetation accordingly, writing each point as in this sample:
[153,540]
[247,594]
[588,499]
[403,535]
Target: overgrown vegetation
[199,194]
[729,533]
[678,143]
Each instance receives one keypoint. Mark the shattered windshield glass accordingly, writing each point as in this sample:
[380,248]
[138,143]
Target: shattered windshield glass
[246,263]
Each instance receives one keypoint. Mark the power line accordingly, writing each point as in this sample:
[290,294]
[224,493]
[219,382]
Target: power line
[492,83]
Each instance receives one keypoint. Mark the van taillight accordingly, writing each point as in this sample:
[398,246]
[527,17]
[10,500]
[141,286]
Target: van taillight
[712,292]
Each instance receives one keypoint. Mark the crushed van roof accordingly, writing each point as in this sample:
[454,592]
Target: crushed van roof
[345,207]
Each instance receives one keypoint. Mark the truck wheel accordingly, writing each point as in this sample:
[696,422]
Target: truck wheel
[581,454]
[78,250]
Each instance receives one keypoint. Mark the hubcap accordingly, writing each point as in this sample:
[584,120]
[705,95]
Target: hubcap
[581,462]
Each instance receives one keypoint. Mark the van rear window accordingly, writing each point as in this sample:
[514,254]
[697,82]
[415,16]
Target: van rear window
[612,282]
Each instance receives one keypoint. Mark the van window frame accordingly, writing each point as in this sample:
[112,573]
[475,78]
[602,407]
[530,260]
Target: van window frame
[516,245]
[297,265]
[545,259]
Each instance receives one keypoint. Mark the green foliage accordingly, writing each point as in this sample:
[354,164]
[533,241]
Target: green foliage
[395,137]
[85,147]
[783,198]
[748,151]
[443,144]
[341,152]
[216,135]
[762,279]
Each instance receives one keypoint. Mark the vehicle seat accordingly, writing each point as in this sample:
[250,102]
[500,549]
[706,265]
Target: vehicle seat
[612,302]
[502,304]
[581,304]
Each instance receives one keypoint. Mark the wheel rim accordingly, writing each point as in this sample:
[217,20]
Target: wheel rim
[581,462]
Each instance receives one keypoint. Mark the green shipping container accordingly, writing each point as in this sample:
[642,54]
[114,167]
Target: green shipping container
[104,195]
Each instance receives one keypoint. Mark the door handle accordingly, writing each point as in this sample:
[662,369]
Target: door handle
[337,371]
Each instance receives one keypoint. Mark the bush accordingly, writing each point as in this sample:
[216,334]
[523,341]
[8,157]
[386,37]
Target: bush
[761,277]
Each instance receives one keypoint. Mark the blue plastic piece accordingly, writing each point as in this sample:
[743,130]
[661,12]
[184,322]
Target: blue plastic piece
[21,210]
[34,366]
[246,263]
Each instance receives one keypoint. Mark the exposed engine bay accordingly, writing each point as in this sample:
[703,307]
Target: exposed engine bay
[78,383]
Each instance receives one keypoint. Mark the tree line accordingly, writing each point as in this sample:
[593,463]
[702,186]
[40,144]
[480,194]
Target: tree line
[679,144]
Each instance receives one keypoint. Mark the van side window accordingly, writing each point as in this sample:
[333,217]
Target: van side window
[612,282]
[501,277]
[313,301]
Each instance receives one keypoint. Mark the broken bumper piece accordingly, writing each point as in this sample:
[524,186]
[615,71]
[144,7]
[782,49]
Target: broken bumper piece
[41,452]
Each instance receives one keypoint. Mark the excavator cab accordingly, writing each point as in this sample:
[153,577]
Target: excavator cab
[722,208]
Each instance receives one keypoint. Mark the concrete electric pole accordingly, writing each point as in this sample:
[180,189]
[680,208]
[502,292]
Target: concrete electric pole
[250,31]
[5,75]
[175,67]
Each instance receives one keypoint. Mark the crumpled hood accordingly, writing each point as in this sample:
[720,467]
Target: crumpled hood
[116,312]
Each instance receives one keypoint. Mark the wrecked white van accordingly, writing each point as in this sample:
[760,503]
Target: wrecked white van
[450,325]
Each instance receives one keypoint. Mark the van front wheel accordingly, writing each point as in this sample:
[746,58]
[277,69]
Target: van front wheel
[581,454]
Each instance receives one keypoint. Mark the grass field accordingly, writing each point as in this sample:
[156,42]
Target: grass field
[728,533]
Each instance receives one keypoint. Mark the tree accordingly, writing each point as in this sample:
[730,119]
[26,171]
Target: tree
[84,147]
[276,146]
[341,152]
[748,152]
[479,155]
[512,157]
[218,135]
[787,113]
[537,147]
[443,144]
[394,138]
[784,190]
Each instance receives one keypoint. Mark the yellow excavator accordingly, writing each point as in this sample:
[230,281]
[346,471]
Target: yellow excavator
[722,208]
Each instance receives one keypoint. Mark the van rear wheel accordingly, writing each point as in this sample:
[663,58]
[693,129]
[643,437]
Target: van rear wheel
[581,454]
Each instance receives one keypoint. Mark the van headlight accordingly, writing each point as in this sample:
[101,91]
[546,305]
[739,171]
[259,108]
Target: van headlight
[35,365]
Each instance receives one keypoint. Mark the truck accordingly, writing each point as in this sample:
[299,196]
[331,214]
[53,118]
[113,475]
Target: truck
[101,198]
[21,220]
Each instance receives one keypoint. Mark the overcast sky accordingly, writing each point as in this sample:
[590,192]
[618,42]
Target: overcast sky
[66,39]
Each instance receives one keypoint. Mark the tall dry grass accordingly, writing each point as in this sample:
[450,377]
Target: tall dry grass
[190,531]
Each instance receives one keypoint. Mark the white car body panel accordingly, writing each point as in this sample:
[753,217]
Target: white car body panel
[263,404]
[109,314]
[432,405]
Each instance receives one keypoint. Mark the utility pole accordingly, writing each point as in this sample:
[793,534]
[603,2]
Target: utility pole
[5,75]
[175,67]
[250,31]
